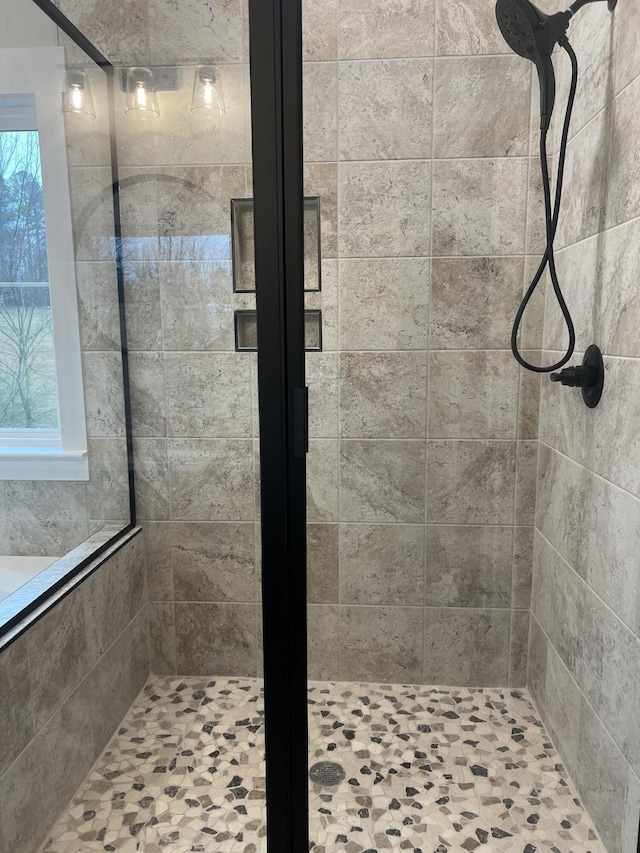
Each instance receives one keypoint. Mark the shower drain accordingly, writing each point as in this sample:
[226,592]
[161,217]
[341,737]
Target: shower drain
[326,773]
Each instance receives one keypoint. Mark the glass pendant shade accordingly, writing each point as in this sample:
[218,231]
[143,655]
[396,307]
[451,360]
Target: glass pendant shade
[208,98]
[142,101]
[77,101]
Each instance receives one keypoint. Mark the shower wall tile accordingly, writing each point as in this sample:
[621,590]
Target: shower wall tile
[477,647]
[579,272]
[45,517]
[98,310]
[526,474]
[566,424]
[16,719]
[396,289]
[468,566]
[322,563]
[193,33]
[618,314]
[319,30]
[142,299]
[162,633]
[320,101]
[379,29]
[322,480]
[479,206]
[381,564]
[119,30]
[519,648]
[472,395]
[381,642]
[152,478]
[109,688]
[384,209]
[617,443]
[104,401]
[322,380]
[470,482]
[157,544]
[467,29]
[469,115]
[108,486]
[327,302]
[383,395]
[529,398]
[215,639]
[622,171]
[522,566]
[382,481]
[385,109]
[626,50]
[148,403]
[323,638]
[474,301]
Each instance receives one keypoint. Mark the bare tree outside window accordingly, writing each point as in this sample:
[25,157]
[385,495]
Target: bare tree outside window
[28,390]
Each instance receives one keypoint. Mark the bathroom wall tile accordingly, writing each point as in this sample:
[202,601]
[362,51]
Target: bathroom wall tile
[467,29]
[383,395]
[45,517]
[621,169]
[16,720]
[119,30]
[537,669]
[469,115]
[106,611]
[529,397]
[185,287]
[381,564]
[629,841]
[522,566]
[468,566]
[148,403]
[579,273]
[213,562]
[532,325]
[152,478]
[472,395]
[91,196]
[526,474]
[327,302]
[98,305]
[322,563]
[193,33]
[323,638]
[322,480]
[320,111]
[393,289]
[563,710]
[138,191]
[216,639]
[536,232]
[566,424]
[208,394]
[381,643]
[142,297]
[470,482]
[140,651]
[479,206]
[618,312]
[104,400]
[108,487]
[319,30]
[382,481]
[322,381]
[162,633]
[321,179]
[474,301]
[109,686]
[157,545]
[518,661]
[385,109]
[626,47]
[376,30]
[211,480]
[476,653]
[384,209]
[617,444]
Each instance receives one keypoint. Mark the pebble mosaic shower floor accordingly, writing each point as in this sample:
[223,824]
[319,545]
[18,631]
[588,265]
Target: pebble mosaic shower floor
[427,770]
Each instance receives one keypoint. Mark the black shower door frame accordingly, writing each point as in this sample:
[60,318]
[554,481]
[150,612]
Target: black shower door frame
[276,112]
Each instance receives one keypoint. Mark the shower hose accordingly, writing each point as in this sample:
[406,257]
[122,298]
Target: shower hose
[551,227]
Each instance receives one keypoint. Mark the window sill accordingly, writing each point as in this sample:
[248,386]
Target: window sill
[43,463]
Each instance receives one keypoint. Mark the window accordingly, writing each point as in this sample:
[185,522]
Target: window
[42,425]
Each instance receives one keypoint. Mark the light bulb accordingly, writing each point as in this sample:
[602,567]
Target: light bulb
[207,93]
[77,101]
[141,94]
[208,98]
[76,97]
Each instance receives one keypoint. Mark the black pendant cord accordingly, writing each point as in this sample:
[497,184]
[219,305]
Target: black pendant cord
[551,228]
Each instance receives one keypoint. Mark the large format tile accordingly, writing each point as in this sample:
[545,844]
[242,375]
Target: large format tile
[470,482]
[45,517]
[322,563]
[142,298]
[322,480]
[468,566]
[385,109]
[162,637]
[16,720]
[469,115]
[381,642]
[323,638]
[379,29]
[526,476]
[479,206]
[321,374]
[467,29]
[196,33]
[320,111]
[621,172]
[476,651]
[148,404]
[98,306]
[472,395]
[384,209]
[618,315]
[384,303]
[382,481]
[103,397]
[383,395]
[216,639]
[319,30]
[381,564]
[566,424]
[617,443]
[321,179]
[519,648]
[152,478]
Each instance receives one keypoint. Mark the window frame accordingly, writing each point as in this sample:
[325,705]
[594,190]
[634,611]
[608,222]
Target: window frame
[41,72]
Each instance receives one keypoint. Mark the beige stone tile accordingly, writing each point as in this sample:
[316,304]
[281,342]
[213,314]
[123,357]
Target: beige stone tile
[385,109]
[102,23]
[474,302]
[617,444]
[91,196]
[518,661]
[157,545]
[383,395]
[108,486]
[321,179]
[396,289]
[381,564]
[323,638]
[213,562]
[382,481]
[579,273]
[216,639]
[469,115]
[211,479]
[472,395]
[16,720]
[626,49]
[470,482]
[468,566]
[193,33]
[618,312]
[529,397]
[109,684]
[319,30]
[384,209]
[322,381]
[479,206]
[103,397]
[526,473]
[467,29]
[152,478]
[381,642]
[148,403]
[322,563]
[320,111]
[322,480]
[142,298]
[98,306]
[537,669]
[162,635]
[566,424]
[45,517]
[522,566]
[381,29]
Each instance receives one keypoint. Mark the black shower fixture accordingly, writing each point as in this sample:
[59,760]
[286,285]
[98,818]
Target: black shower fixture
[533,35]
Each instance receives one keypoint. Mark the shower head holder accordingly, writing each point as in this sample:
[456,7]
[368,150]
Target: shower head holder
[589,376]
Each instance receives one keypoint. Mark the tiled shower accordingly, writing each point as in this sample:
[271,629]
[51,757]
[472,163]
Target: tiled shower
[472,529]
